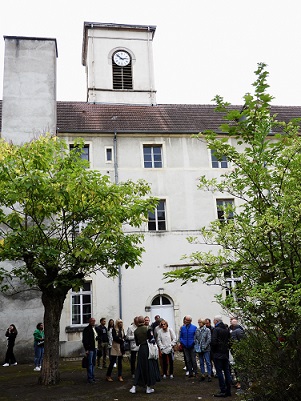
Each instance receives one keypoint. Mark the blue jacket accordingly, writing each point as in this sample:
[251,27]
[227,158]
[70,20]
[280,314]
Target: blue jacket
[187,335]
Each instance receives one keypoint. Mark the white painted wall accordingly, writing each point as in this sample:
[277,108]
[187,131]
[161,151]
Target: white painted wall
[29,88]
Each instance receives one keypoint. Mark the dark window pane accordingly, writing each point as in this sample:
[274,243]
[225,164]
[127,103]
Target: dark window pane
[152,226]
[87,286]
[161,225]
[109,155]
[156,301]
[165,301]
[75,299]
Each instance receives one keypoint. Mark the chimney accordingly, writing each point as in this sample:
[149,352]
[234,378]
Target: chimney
[29,88]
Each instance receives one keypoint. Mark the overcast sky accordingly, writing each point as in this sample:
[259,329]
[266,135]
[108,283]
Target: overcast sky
[201,48]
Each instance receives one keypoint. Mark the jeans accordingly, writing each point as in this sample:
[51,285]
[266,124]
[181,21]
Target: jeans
[205,356]
[222,368]
[38,355]
[91,363]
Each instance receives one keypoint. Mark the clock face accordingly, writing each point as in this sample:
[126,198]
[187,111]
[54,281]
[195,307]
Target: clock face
[121,58]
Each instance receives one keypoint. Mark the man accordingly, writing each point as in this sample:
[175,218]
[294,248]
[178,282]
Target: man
[90,345]
[103,343]
[208,325]
[146,321]
[236,334]
[220,350]
[156,322]
[187,333]
[134,348]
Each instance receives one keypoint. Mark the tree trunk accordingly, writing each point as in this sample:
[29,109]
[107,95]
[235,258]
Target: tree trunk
[53,301]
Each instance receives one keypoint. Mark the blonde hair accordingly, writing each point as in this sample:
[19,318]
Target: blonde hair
[117,322]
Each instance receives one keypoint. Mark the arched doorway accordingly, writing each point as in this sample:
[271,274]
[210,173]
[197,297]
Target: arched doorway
[163,305]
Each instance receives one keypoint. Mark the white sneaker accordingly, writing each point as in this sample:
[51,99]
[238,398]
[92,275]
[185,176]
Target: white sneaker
[149,390]
[37,369]
[14,364]
[133,390]
[187,373]
[6,364]
[164,376]
[171,376]
[184,368]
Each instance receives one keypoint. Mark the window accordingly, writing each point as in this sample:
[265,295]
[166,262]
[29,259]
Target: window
[232,284]
[157,220]
[224,209]
[152,155]
[85,154]
[161,300]
[223,163]
[109,155]
[81,302]
[122,71]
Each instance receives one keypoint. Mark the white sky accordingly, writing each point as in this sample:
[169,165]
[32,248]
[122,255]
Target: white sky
[201,48]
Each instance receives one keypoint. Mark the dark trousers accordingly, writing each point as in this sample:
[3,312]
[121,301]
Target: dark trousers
[113,360]
[10,357]
[167,360]
[223,374]
[133,361]
[190,357]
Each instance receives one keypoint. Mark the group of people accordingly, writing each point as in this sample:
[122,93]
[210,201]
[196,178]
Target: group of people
[38,343]
[209,344]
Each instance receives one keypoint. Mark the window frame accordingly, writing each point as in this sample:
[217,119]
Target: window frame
[152,160]
[107,148]
[232,282]
[224,201]
[218,163]
[156,220]
[87,145]
[81,293]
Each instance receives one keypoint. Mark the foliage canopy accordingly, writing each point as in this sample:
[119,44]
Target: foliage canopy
[61,222]
[262,243]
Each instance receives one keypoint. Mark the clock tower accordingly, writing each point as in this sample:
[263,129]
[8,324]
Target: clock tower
[119,63]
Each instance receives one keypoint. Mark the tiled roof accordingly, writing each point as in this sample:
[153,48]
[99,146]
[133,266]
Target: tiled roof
[162,118]
[84,117]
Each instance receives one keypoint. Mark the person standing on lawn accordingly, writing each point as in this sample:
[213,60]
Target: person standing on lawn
[11,334]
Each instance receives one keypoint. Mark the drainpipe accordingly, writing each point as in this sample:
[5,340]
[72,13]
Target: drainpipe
[119,267]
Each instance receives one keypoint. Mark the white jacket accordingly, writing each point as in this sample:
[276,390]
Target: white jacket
[166,340]
[130,336]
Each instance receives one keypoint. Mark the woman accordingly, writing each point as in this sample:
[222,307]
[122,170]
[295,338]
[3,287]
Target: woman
[117,350]
[202,342]
[38,336]
[11,334]
[147,371]
[166,340]
[110,335]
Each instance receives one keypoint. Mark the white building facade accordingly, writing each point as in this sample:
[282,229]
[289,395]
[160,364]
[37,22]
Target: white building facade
[127,135]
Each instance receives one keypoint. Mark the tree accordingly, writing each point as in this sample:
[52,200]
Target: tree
[261,244]
[64,221]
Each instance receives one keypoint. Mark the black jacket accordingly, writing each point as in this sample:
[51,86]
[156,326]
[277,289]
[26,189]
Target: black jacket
[11,337]
[220,342]
[102,332]
[89,338]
